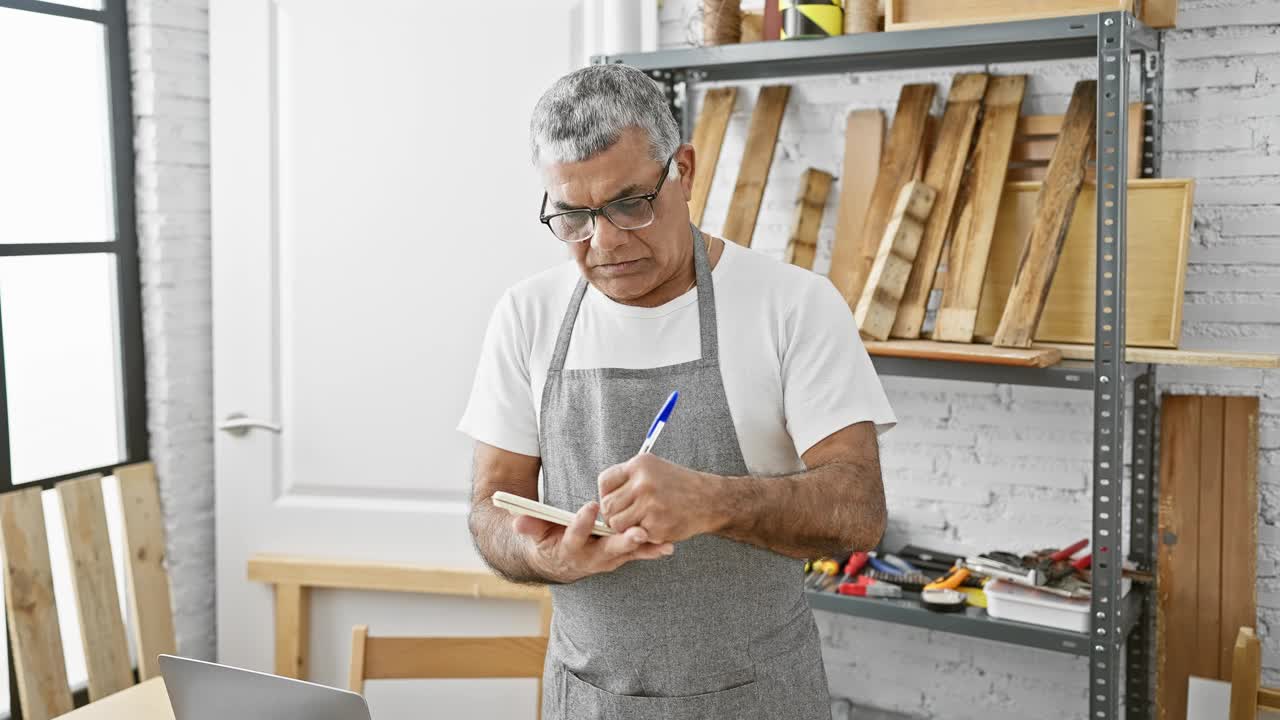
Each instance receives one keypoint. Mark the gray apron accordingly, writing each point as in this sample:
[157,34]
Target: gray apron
[721,628]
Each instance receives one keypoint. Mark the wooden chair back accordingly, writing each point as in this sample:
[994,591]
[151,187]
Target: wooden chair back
[1247,694]
[1036,135]
[426,658]
[39,661]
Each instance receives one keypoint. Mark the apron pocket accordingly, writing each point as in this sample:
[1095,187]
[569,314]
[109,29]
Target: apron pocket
[584,701]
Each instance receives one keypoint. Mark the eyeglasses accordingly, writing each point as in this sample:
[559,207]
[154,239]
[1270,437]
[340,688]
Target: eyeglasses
[628,213]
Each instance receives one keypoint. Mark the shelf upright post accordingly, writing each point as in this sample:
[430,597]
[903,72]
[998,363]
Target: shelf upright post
[1142,520]
[1106,617]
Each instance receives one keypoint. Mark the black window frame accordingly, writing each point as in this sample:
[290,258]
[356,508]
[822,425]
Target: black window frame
[113,16]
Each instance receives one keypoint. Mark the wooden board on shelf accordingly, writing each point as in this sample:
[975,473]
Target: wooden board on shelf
[920,14]
[757,157]
[1207,574]
[1159,13]
[972,352]
[901,155]
[1054,206]
[882,293]
[976,210]
[863,137]
[1159,212]
[1036,136]
[945,169]
[708,137]
[802,246]
[1169,356]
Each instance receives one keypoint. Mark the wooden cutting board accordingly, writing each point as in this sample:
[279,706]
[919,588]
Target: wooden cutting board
[708,137]
[945,170]
[757,157]
[863,137]
[975,210]
[1158,242]
[901,155]
[1054,206]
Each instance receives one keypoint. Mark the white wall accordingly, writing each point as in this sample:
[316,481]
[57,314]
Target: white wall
[968,465]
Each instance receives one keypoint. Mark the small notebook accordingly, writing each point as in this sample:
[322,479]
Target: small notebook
[517,505]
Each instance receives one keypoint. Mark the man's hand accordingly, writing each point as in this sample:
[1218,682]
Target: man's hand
[567,554]
[669,502]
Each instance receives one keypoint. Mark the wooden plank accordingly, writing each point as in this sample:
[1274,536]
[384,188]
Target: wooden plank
[1209,545]
[411,658]
[1239,522]
[945,170]
[802,246]
[1201,358]
[927,143]
[106,649]
[1159,223]
[708,138]
[896,168]
[882,293]
[931,350]
[1177,558]
[293,630]
[752,27]
[39,664]
[863,137]
[355,673]
[150,606]
[921,14]
[1247,674]
[976,210]
[145,701]
[387,577]
[757,157]
[1054,207]
[1159,13]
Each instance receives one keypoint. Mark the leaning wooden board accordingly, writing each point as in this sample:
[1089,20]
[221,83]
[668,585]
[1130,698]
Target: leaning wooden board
[882,293]
[757,157]
[863,136]
[920,14]
[1055,202]
[708,137]
[976,207]
[1207,535]
[811,200]
[1158,243]
[945,169]
[901,156]
[972,352]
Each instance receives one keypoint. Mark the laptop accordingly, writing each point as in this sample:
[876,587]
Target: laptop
[201,690]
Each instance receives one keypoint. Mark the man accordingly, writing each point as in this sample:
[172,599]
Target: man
[694,609]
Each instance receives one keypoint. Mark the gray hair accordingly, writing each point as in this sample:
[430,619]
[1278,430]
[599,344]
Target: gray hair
[586,111]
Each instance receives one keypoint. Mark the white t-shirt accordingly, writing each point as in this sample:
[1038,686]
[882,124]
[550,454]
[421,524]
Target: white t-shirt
[794,368]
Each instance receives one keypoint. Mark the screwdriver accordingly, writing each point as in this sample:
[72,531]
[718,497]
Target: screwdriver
[823,569]
[856,562]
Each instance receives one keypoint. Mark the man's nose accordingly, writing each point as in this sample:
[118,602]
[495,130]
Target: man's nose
[608,236]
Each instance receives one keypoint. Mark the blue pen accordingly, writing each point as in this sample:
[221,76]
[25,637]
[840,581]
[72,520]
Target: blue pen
[659,422]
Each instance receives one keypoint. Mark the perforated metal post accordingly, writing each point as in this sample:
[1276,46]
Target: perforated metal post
[1153,109]
[1142,519]
[1106,634]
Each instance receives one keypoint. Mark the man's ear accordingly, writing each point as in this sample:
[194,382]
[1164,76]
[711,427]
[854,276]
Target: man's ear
[686,164]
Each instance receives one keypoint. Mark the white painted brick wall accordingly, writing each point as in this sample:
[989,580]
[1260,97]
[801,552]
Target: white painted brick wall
[975,466]
[170,58]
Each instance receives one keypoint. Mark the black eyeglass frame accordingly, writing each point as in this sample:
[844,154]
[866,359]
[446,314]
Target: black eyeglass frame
[603,209]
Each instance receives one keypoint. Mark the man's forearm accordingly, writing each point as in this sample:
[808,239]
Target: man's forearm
[830,509]
[505,551]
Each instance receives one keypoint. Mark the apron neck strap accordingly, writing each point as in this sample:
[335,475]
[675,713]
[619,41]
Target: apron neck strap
[706,308]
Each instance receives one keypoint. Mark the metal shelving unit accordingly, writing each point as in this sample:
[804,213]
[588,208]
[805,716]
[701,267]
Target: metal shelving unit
[1112,38]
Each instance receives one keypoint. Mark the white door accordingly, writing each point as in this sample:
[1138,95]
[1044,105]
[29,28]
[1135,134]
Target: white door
[372,197]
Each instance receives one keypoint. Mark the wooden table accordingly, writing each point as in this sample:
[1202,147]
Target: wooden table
[145,701]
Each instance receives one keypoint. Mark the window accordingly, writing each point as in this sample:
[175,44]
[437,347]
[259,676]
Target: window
[72,399]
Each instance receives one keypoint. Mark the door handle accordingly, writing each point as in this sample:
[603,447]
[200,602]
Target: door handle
[238,424]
